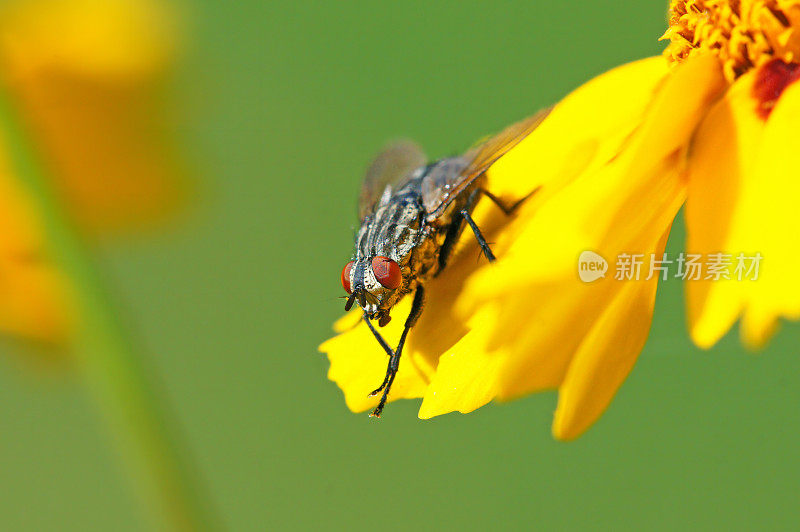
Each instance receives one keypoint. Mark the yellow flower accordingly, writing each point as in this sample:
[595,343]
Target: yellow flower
[615,160]
[87,77]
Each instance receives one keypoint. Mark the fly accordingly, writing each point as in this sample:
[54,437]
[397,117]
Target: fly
[412,214]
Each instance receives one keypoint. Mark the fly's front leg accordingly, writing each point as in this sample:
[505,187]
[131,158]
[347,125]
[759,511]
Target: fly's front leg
[378,336]
[394,360]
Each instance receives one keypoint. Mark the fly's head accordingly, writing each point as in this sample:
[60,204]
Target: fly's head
[375,283]
[380,273]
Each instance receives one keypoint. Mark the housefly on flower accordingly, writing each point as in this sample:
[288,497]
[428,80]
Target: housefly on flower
[412,213]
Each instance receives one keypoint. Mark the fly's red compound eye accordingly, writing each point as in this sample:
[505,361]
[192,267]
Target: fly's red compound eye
[387,272]
[346,276]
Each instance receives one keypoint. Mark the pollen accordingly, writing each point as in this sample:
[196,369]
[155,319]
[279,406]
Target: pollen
[743,34]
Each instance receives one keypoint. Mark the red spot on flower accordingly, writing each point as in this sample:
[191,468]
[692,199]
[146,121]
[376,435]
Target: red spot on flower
[771,80]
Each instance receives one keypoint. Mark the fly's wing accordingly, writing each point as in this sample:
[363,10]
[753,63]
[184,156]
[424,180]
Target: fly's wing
[439,192]
[388,171]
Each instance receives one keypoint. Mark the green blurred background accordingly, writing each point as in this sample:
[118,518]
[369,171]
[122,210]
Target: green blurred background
[285,106]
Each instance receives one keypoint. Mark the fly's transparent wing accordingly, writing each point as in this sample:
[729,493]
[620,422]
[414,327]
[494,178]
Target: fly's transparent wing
[442,182]
[437,196]
[390,169]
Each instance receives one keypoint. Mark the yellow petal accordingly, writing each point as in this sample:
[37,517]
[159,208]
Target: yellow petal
[466,375]
[582,133]
[605,357]
[776,292]
[105,39]
[585,127]
[614,197]
[88,75]
[742,200]
[723,154]
[348,321]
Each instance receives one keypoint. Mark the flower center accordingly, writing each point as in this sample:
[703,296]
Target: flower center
[742,33]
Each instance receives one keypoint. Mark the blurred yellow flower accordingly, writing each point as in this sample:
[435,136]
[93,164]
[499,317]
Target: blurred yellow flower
[31,290]
[615,160]
[87,78]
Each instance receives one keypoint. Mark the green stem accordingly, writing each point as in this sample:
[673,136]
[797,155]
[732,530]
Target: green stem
[113,372]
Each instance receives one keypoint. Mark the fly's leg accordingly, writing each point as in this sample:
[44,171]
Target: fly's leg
[468,218]
[394,360]
[451,237]
[454,231]
[450,240]
[479,236]
[378,336]
[507,209]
